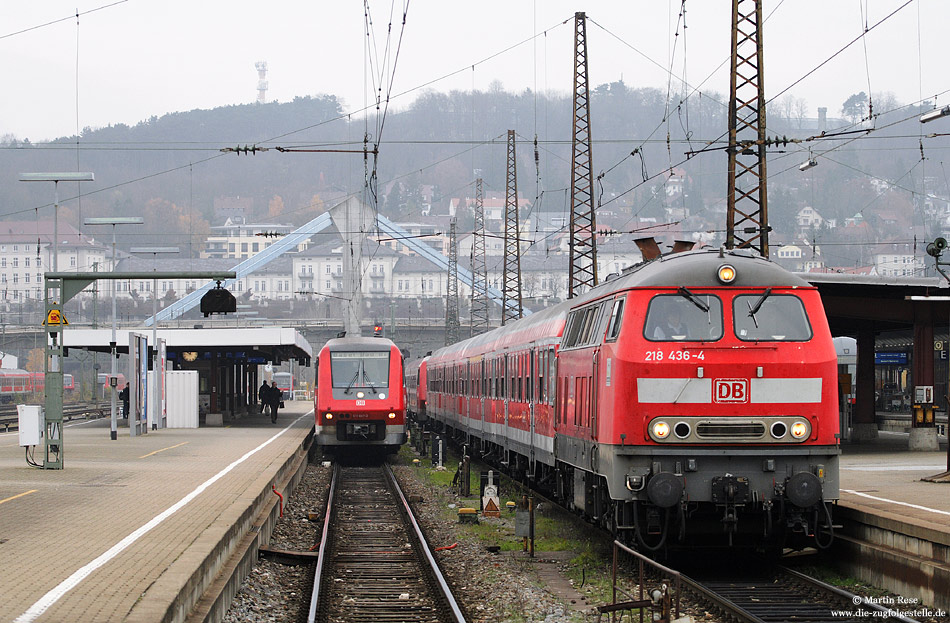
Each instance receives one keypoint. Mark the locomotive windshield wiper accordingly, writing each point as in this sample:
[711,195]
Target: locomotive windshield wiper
[758,304]
[350,385]
[692,298]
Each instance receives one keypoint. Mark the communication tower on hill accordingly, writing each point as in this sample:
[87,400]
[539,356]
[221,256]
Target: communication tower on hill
[261,81]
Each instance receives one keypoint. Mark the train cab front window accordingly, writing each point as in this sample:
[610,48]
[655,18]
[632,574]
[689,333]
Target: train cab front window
[767,317]
[360,369]
[683,317]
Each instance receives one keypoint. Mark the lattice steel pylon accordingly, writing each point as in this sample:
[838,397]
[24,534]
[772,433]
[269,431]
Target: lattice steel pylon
[583,238]
[479,306]
[747,222]
[511,308]
[452,328]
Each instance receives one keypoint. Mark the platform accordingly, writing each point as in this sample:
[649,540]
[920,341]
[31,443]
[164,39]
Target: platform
[134,529]
[882,476]
[895,530]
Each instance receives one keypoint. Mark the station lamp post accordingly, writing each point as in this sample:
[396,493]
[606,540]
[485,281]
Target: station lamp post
[114,221]
[155,362]
[56,178]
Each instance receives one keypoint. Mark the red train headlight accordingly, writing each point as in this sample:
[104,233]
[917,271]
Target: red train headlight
[328,416]
[660,429]
[726,274]
[392,416]
[799,430]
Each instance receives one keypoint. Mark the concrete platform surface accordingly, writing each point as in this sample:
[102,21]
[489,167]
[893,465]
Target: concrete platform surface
[118,533]
[881,476]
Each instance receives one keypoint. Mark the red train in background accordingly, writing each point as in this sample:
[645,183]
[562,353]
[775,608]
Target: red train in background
[360,399]
[691,400]
[285,383]
[15,382]
[416,380]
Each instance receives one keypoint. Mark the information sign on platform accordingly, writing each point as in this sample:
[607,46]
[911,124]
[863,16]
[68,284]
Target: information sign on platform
[890,359]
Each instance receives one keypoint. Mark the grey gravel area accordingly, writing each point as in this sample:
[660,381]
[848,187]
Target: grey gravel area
[275,592]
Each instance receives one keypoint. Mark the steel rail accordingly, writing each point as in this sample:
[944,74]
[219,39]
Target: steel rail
[318,573]
[727,606]
[740,614]
[891,614]
[443,585]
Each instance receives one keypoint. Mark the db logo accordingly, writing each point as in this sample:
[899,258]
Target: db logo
[732,390]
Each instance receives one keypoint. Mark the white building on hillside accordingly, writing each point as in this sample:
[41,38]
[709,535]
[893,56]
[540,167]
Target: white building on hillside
[26,252]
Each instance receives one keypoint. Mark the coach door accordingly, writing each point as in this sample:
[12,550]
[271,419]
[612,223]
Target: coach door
[531,391]
[506,393]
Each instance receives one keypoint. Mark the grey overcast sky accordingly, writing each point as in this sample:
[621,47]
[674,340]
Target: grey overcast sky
[127,61]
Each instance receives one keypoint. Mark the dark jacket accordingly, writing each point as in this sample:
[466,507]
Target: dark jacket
[273,395]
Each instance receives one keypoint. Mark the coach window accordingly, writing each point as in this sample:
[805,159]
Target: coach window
[541,368]
[529,376]
[616,317]
[683,317]
[502,372]
[514,385]
[768,317]
[530,380]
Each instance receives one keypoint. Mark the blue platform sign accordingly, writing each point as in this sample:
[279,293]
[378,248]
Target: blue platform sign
[890,359]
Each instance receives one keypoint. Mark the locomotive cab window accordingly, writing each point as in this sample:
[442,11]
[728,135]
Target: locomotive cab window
[685,316]
[767,317]
[616,317]
[360,369]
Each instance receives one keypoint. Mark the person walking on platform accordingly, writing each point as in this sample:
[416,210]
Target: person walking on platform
[124,397]
[262,395]
[273,400]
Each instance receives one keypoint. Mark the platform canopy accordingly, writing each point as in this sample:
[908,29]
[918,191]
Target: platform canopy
[269,344]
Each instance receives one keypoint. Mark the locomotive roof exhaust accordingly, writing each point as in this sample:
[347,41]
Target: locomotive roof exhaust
[649,249]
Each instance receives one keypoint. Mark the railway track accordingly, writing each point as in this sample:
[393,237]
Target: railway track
[9,420]
[783,595]
[373,563]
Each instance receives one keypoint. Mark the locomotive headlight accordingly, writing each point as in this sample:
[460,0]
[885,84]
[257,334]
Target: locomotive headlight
[392,416]
[660,429]
[328,416]
[726,274]
[799,430]
[778,429]
[682,430]
[360,394]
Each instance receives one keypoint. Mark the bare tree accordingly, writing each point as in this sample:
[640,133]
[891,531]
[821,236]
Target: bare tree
[787,106]
[801,111]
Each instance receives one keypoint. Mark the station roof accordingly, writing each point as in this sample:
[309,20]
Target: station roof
[889,303]
[273,344]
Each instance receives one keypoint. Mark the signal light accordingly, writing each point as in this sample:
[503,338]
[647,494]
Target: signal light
[726,274]
[377,330]
[218,301]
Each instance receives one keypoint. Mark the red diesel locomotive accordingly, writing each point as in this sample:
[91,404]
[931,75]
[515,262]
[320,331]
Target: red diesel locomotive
[690,401]
[360,400]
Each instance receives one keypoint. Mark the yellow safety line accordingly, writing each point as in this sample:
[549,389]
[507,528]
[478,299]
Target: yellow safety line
[19,495]
[162,450]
